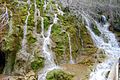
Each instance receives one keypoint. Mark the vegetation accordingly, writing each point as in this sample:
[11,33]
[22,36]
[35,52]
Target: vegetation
[38,63]
[58,75]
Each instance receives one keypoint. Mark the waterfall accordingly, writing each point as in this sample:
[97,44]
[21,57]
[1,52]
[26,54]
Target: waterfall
[47,52]
[36,15]
[42,27]
[24,53]
[10,22]
[45,4]
[70,49]
[111,49]
[4,19]
[25,32]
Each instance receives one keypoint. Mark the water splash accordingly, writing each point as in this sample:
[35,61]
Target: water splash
[111,49]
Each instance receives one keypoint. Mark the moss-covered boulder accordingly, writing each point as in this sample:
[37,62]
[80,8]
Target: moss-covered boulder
[58,75]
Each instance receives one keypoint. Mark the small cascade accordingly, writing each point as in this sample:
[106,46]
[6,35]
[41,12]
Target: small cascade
[42,27]
[47,52]
[70,48]
[25,32]
[24,41]
[45,4]
[4,18]
[36,15]
[10,23]
[111,49]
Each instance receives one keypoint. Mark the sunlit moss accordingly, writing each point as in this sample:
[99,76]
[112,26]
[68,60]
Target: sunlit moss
[38,63]
[58,75]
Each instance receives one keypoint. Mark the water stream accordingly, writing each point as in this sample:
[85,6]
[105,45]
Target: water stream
[4,18]
[24,53]
[110,47]
[70,49]
[47,52]
[10,23]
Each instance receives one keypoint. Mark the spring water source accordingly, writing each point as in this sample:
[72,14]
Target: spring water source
[108,43]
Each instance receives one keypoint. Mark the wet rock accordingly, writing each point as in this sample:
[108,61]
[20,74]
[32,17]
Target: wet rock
[116,27]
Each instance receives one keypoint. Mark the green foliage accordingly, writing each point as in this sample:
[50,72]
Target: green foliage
[40,4]
[11,45]
[61,40]
[31,20]
[46,22]
[95,30]
[12,41]
[58,75]
[38,63]
[30,38]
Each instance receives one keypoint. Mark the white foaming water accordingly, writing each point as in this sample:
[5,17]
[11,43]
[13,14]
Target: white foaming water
[70,49]
[45,4]
[25,32]
[47,52]
[36,15]
[42,27]
[24,53]
[111,49]
[4,18]
[60,12]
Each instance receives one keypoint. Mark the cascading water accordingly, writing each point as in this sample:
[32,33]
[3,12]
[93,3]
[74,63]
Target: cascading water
[24,41]
[10,22]
[45,4]
[42,27]
[4,19]
[60,12]
[70,48]
[47,52]
[110,47]
[36,15]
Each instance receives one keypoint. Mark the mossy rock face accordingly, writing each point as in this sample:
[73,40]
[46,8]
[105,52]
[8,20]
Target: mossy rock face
[37,63]
[58,75]
[95,30]
[79,37]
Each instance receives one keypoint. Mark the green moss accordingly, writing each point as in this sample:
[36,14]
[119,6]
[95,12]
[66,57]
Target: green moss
[58,75]
[30,38]
[31,20]
[47,22]
[95,30]
[61,40]
[40,5]
[37,63]
[11,45]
